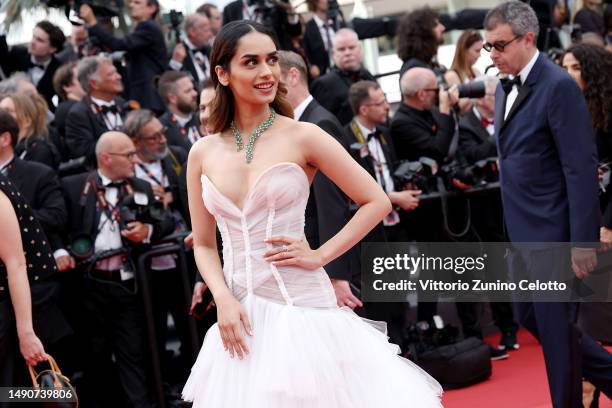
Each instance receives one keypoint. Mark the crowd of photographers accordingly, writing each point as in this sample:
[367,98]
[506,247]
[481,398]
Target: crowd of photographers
[95,131]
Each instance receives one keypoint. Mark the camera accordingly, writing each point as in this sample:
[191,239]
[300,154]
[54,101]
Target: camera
[479,174]
[419,175]
[130,211]
[474,89]
[174,19]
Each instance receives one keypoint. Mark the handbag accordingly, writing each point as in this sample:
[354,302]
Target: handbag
[54,379]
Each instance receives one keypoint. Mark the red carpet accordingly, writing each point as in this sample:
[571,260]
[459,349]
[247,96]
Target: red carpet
[518,382]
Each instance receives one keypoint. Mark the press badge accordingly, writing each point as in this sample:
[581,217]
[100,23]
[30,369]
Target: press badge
[141,198]
[364,151]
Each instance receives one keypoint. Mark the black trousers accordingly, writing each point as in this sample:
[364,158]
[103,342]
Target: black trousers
[116,327]
[569,354]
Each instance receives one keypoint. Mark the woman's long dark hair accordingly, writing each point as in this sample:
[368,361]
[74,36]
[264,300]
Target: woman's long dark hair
[415,36]
[596,72]
[222,107]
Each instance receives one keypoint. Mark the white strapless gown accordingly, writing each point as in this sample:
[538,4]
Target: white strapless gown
[306,352]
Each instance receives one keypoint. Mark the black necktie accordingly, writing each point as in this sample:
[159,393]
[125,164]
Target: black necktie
[508,83]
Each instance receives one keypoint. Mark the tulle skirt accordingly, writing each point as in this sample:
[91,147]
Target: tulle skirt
[308,358]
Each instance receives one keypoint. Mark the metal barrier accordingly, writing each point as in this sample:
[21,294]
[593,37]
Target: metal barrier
[177,247]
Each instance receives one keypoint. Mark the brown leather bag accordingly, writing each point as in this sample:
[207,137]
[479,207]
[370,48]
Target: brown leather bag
[54,379]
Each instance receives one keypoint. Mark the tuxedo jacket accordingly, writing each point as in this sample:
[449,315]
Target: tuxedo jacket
[18,59]
[279,23]
[331,91]
[173,132]
[147,55]
[84,217]
[548,160]
[83,128]
[426,133]
[378,232]
[475,143]
[40,187]
[327,210]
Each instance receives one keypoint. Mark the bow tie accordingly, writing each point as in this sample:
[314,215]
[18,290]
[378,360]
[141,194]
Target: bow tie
[372,135]
[32,64]
[115,184]
[486,122]
[508,83]
[109,108]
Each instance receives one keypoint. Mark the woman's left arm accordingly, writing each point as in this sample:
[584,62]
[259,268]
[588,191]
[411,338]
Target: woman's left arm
[325,153]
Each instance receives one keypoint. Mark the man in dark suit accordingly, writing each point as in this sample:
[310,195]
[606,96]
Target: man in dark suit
[114,316]
[145,47]
[99,111]
[477,142]
[281,18]
[162,167]
[331,89]
[192,54]
[327,210]
[372,147]
[179,95]
[38,60]
[548,167]
[419,127]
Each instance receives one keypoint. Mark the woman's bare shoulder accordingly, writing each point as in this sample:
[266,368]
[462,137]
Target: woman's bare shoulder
[205,145]
[299,130]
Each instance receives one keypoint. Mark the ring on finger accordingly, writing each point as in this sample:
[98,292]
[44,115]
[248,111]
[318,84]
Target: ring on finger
[285,248]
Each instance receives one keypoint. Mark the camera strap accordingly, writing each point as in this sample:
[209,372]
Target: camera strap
[111,211]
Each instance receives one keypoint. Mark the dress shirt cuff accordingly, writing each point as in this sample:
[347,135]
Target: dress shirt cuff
[175,65]
[60,252]
[147,240]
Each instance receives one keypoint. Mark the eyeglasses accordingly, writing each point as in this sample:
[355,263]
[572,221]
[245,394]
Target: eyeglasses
[157,136]
[499,45]
[128,155]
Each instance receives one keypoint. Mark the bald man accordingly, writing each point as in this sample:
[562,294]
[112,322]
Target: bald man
[423,124]
[112,318]
[331,90]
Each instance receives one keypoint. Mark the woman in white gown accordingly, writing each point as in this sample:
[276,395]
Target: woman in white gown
[281,341]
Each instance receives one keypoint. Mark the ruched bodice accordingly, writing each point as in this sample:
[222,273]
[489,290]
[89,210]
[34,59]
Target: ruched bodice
[274,206]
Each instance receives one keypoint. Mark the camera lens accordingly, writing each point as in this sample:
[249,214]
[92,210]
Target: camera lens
[475,89]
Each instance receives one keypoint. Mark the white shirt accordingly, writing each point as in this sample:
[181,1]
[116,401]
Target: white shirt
[377,153]
[112,120]
[192,133]
[162,262]
[523,74]
[299,110]
[109,235]
[37,73]
[490,127]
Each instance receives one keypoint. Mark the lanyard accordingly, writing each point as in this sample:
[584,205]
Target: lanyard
[164,180]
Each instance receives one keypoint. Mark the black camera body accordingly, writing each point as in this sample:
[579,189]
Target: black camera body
[418,175]
[478,174]
[130,211]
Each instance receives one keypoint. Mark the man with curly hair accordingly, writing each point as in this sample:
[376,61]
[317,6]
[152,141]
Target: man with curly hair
[419,33]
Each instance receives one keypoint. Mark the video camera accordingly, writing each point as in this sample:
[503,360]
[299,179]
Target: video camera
[174,19]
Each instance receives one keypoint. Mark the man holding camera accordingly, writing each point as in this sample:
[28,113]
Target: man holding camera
[145,46]
[419,127]
[191,55]
[279,15]
[113,215]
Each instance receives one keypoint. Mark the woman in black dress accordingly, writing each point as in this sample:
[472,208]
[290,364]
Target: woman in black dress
[24,256]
